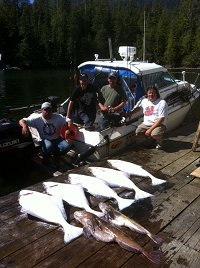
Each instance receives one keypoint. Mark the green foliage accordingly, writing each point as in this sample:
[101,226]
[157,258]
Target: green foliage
[50,33]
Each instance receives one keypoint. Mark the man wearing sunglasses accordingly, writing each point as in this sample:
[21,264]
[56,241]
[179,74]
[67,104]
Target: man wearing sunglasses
[48,125]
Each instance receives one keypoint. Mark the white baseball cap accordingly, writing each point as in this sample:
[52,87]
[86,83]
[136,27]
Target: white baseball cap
[46,105]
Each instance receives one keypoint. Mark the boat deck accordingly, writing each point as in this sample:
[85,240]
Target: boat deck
[173,214]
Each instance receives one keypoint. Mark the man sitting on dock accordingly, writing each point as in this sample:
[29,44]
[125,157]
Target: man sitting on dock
[155,113]
[48,125]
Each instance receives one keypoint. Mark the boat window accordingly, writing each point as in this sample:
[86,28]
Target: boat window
[130,93]
[160,79]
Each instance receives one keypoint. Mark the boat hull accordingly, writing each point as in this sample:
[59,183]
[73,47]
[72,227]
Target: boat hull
[115,139]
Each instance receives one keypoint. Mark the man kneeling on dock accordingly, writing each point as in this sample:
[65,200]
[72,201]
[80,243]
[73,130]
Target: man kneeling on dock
[155,112]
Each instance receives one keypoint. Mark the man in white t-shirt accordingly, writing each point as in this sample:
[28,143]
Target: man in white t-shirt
[48,125]
[155,112]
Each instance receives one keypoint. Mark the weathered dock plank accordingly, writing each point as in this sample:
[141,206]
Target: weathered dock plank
[173,214]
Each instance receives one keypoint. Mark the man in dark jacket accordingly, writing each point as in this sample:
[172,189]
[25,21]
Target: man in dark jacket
[83,102]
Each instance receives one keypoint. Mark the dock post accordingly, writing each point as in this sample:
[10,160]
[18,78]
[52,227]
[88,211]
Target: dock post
[196,138]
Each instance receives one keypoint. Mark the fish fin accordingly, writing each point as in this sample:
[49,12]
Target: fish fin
[158,240]
[109,214]
[23,210]
[97,213]
[139,194]
[154,256]
[124,203]
[87,233]
[90,229]
[156,181]
[92,226]
[127,247]
[72,233]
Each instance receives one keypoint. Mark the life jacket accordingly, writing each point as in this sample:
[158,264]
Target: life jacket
[73,131]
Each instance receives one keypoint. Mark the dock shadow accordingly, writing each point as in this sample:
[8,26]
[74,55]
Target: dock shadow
[171,146]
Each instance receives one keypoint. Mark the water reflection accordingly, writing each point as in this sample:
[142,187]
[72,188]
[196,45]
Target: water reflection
[2,85]
[28,87]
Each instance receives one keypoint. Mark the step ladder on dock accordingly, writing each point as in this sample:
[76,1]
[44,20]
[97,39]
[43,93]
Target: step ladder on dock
[196,138]
[196,172]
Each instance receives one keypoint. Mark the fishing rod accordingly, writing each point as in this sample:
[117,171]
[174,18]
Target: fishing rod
[52,99]
[13,109]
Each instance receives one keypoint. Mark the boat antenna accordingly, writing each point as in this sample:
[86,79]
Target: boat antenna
[110,48]
[183,73]
[144,40]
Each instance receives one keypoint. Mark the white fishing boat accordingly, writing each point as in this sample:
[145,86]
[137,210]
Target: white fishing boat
[179,94]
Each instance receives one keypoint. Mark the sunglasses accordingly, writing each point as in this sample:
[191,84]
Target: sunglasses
[46,109]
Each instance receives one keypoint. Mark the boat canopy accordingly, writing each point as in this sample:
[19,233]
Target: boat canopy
[134,84]
[130,81]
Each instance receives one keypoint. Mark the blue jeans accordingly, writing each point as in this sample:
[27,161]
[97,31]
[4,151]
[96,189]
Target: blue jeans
[88,119]
[57,146]
[82,117]
[103,122]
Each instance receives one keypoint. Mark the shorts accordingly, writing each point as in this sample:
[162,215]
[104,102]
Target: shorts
[158,131]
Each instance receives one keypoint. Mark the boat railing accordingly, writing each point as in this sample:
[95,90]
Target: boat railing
[178,73]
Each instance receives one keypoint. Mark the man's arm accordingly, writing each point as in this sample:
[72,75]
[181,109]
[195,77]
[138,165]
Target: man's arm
[69,109]
[118,107]
[25,128]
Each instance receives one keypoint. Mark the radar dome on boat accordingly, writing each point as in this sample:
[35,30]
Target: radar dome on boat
[127,52]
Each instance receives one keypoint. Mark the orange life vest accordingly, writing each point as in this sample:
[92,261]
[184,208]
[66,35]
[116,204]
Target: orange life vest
[73,131]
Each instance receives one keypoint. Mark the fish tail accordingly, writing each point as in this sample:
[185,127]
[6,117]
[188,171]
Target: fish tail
[95,212]
[158,240]
[154,256]
[156,181]
[139,194]
[124,203]
[71,232]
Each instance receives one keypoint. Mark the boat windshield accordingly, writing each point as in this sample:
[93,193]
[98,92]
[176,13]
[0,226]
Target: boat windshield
[98,75]
[160,79]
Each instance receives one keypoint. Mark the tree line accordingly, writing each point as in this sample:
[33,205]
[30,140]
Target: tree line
[61,33]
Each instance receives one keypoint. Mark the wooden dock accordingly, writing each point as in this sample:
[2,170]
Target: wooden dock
[173,214]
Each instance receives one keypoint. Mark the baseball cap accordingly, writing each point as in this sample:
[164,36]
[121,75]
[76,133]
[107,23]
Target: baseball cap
[113,74]
[83,76]
[46,105]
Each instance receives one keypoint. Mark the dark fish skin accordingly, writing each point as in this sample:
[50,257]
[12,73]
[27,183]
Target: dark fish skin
[101,230]
[119,219]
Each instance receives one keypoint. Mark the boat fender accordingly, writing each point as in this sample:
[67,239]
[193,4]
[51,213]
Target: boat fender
[73,131]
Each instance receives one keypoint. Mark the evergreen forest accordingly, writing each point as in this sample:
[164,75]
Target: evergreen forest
[61,33]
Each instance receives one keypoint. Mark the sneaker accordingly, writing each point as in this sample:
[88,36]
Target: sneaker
[159,145]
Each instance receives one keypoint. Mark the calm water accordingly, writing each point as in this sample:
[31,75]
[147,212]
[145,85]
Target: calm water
[22,88]
[25,88]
